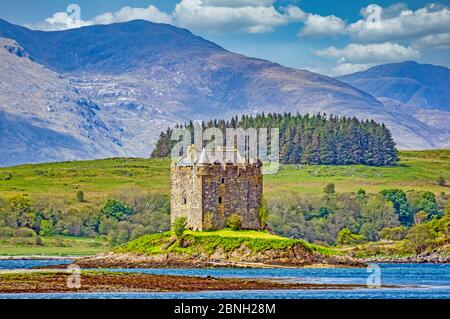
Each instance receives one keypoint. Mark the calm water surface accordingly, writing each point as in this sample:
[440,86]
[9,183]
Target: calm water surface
[417,281]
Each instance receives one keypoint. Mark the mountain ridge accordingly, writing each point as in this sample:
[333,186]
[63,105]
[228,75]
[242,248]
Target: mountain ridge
[143,77]
[421,85]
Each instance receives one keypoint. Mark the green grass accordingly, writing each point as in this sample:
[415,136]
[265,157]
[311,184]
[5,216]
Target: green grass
[100,178]
[96,178]
[53,246]
[237,234]
[416,170]
[209,242]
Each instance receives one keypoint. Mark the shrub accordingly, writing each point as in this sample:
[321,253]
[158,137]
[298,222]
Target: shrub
[39,241]
[116,209]
[179,227]
[5,176]
[394,233]
[208,222]
[7,231]
[23,241]
[46,228]
[420,217]
[346,237]
[263,213]
[329,189]
[234,221]
[25,232]
[80,196]
[361,193]
[441,181]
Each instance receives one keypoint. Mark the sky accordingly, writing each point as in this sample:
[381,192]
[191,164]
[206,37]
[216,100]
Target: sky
[332,37]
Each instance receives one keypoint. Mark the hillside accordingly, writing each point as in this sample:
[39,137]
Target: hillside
[422,85]
[142,77]
[416,170]
[43,117]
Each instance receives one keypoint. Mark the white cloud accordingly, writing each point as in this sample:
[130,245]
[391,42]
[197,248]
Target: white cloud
[59,21]
[317,26]
[398,23]
[347,68]
[371,53]
[65,20]
[253,16]
[440,40]
[238,3]
[245,15]
[151,13]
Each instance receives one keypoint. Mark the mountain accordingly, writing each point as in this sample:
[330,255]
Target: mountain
[137,78]
[420,85]
[43,118]
[418,90]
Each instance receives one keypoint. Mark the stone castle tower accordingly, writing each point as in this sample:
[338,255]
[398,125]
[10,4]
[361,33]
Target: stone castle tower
[216,188]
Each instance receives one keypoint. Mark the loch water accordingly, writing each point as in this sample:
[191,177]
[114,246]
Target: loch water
[418,281]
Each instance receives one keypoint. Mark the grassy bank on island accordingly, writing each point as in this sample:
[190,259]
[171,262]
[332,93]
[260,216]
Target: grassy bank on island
[223,248]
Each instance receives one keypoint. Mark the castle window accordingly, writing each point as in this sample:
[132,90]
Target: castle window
[220,200]
[223,180]
[184,201]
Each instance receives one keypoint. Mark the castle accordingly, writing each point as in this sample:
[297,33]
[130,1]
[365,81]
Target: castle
[208,187]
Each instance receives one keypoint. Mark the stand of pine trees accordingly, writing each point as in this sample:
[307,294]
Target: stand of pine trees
[316,139]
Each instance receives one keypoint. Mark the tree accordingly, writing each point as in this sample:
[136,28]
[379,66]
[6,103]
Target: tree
[80,196]
[377,214]
[394,233]
[46,228]
[263,213]
[208,222]
[346,237]
[116,209]
[401,205]
[420,237]
[20,212]
[427,203]
[329,189]
[441,181]
[179,227]
[234,221]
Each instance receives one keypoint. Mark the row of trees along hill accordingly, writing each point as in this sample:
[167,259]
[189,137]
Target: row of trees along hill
[306,139]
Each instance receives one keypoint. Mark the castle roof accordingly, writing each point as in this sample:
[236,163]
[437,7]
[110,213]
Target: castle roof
[222,155]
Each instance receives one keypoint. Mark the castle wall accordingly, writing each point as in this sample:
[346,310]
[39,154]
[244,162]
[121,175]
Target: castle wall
[185,200]
[219,190]
[231,189]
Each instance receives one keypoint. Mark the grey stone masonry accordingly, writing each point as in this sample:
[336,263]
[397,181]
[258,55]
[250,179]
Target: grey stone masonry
[202,186]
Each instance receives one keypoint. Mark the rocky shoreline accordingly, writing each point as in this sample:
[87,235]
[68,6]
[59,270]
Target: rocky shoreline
[102,281]
[431,258]
[173,260]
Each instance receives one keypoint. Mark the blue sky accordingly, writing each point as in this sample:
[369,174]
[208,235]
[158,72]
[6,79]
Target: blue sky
[328,36]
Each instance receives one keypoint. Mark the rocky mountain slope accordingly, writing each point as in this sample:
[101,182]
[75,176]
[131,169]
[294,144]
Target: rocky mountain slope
[418,90]
[43,117]
[143,77]
[420,85]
